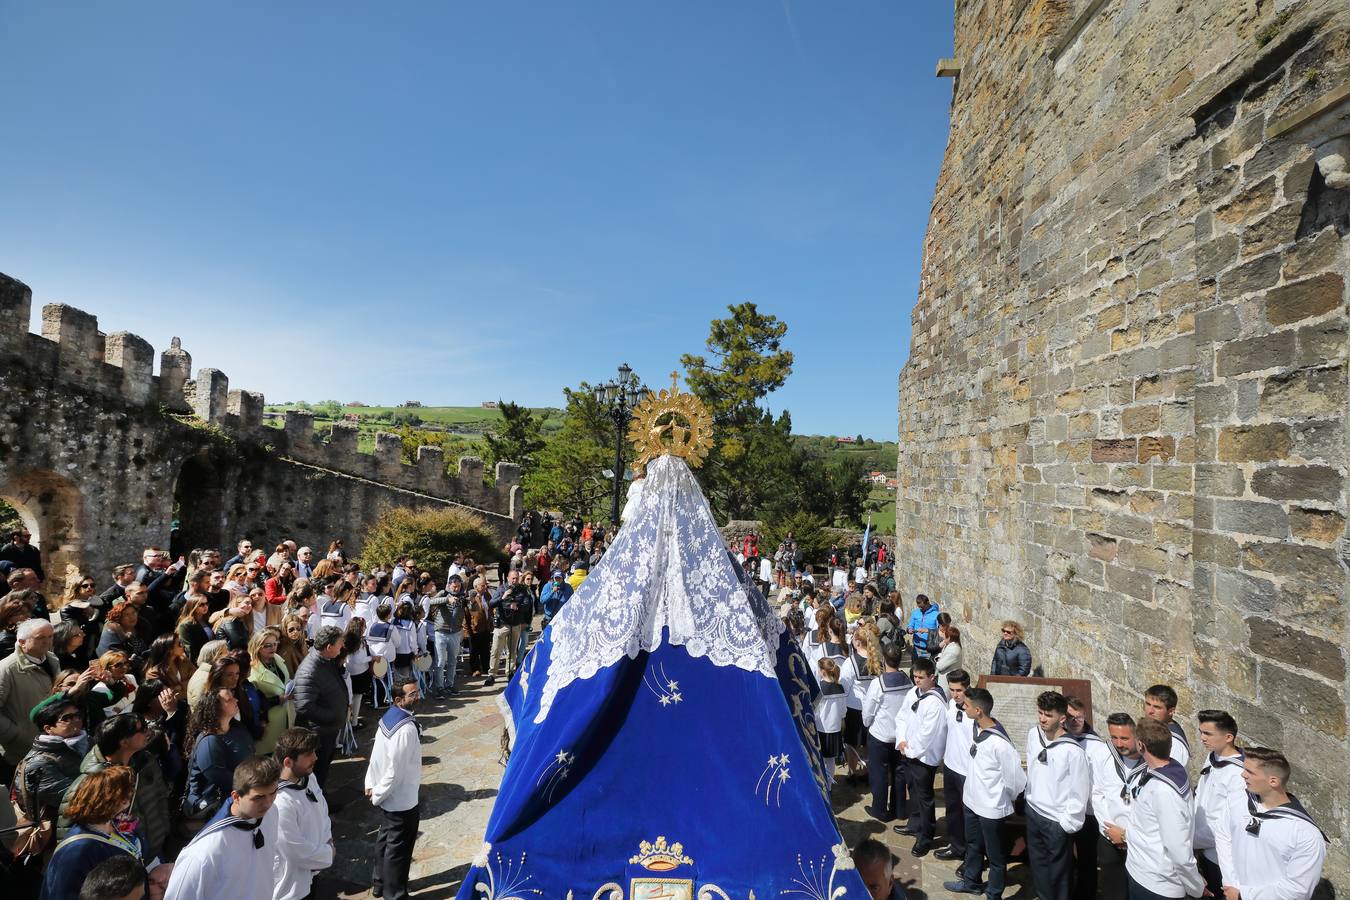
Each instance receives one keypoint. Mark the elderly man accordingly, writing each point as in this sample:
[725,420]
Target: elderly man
[304,563]
[26,678]
[872,859]
[321,698]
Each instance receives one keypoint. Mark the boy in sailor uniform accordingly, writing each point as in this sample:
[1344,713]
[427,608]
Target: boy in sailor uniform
[1085,841]
[1160,702]
[921,735]
[1056,797]
[1276,848]
[231,858]
[1219,786]
[1161,858]
[955,761]
[1109,767]
[829,715]
[881,707]
[994,778]
[304,831]
[392,782]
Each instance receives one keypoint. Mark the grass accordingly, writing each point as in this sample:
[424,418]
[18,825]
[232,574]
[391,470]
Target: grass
[460,419]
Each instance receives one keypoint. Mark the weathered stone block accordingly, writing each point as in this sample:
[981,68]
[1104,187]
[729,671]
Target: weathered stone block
[1172,478]
[1317,564]
[1251,517]
[1320,525]
[1248,203]
[1245,590]
[1110,451]
[1310,701]
[1133,584]
[1212,257]
[1322,343]
[1298,483]
[1312,255]
[1219,549]
[1304,299]
[1154,447]
[1269,351]
[1254,443]
[136,358]
[1218,323]
[1213,402]
[1305,392]
[1219,481]
[1102,547]
[1140,419]
[1250,277]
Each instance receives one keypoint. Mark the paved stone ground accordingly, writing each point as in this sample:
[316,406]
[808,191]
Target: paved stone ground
[460,777]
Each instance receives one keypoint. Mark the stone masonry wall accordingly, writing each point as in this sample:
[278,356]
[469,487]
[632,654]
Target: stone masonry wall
[1123,418]
[98,454]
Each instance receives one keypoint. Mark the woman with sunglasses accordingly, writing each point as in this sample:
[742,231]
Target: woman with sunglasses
[53,762]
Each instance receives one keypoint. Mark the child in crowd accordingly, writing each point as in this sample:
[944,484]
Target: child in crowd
[829,714]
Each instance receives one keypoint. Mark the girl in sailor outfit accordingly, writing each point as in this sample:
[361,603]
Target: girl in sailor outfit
[836,648]
[828,711]
[1161,858]
[335,606]
[856,674]
[1276,849]
[232,857]
[881,708]
[817,634]
[408,639]
[1220,782]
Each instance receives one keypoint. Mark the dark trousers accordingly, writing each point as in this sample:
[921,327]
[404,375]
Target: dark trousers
[393,851]
[480,646]
[984,841]
[1137,891]
[920,777]
[1085,860]
[953,786]
[1111,861]
[886,776]
[1049,856]
[1209,870]
[327,750]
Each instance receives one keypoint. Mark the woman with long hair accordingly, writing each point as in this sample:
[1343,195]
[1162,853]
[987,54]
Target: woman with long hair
[236,581]
[167,663]
[115,685]
[269,675]
[215,744]
[236,621]
[77,588]
[68,643]
[326,569]
[358,654]
[228,672]
[120,631]
[292,643]
[275,591]
[194,629]
[949,657]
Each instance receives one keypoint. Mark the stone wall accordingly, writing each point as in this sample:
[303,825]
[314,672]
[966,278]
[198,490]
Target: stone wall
[1123,416]
[98,454]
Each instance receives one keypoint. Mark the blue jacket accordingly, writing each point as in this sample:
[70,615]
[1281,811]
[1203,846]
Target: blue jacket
[921,619]
[74,859]
[553,596]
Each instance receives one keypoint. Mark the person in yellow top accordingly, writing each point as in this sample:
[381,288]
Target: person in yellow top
[579,573]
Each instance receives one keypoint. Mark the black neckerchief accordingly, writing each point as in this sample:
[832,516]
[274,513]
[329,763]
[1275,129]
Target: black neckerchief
[1216,761]
[914,707]
[1119,762]
[978,736]
[255,827]
[1044,755]
[1291,810]
[301,785]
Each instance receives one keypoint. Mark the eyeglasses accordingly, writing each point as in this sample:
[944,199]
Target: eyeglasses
[71,717]
[86,587]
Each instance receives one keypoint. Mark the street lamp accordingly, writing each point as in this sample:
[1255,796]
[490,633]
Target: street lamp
[619,397]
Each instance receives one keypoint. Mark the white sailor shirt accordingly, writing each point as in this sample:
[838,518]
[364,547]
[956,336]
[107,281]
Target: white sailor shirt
[395,770]
[1094,745]
[1161,857]
[829,708]
[1277,853]
[1219,785]
[994,775]
[960,733]
[334,612]
[381,640]
[1057,779]
[229,859]
[1181,746]
[922,724]
[304,832]
[1108,773]
[855,678]
[882,702]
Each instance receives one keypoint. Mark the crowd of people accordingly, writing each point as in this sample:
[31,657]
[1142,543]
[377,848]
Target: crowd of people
[1113,810]
[170,732]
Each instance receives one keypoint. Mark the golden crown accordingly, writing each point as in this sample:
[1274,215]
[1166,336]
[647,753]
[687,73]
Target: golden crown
[660,857]
[671,422]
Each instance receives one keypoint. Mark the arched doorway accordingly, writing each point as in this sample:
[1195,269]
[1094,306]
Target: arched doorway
[198,505]
[50,507]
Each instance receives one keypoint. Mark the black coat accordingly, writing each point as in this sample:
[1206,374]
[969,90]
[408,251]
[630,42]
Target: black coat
[24,557]
[1011,659]
[320,695]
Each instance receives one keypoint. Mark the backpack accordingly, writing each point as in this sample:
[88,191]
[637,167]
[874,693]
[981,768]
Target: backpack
[36,827]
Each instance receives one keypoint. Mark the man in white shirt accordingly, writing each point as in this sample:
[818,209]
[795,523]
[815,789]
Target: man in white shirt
[1085,841]
[994,778]
[1219,786]
[1161,858]
[304,830]
[955,761]
[231,857]
[921,735]
[1276,848]
[1108,773]
[1160,703]
[1056,797]
[880,709]
[392,782]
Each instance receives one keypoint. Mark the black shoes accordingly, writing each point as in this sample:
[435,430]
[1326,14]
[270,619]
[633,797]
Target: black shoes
[963,887]
[920,850]
[491,680]
[905,830]
[877,814]
[948,854]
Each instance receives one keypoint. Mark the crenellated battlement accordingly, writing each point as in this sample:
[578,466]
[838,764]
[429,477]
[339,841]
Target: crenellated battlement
[71,350]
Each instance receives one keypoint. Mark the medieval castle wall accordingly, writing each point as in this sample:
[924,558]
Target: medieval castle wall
[1123,419]
[98,453]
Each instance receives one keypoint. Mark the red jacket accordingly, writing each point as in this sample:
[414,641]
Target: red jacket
[275,590]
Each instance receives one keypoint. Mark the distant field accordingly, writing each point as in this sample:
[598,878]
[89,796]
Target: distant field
[467,418]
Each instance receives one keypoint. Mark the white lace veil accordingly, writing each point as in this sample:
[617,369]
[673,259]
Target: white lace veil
[667,576]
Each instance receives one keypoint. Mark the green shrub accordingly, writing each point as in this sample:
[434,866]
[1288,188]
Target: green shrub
[808,531]
[432,535]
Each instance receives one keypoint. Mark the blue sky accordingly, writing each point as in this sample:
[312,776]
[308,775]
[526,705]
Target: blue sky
[456,202]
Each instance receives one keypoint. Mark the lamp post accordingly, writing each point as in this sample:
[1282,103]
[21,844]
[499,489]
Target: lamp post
[619,397]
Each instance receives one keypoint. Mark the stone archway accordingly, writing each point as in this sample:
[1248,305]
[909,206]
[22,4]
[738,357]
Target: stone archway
[50,507]
[198,495]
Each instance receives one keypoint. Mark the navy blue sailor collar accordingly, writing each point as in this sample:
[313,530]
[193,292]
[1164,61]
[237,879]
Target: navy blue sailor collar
[394,719]
[895,681]
[1214,761]
[1173,774]
[224,819]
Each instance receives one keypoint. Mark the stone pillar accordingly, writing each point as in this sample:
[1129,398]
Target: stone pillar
[248,407]
[136,358]
[507,473]
[210,395]
[342,441]
[16,305]
[75,333]
[431,469]
[388,450]
[175,368]
[299,431]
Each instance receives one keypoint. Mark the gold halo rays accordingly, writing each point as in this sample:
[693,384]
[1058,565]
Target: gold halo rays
[671,422]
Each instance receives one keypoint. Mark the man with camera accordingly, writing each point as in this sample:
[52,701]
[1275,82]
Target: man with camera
[512,608]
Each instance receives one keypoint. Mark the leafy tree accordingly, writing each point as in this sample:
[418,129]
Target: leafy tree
[516,439]
[432,534]
[807,529]
[329,409]
[752,451]
[566,474]
[404,418]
